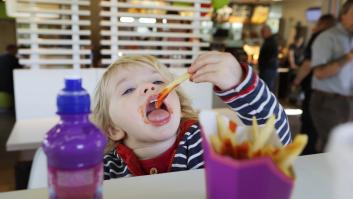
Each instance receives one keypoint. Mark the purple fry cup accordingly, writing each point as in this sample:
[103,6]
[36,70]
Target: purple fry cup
[227,178]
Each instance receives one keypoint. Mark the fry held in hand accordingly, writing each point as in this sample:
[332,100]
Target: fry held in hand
[225,143]
[166,90]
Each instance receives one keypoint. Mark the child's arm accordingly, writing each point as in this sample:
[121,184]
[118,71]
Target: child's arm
[252,98]
[248,95]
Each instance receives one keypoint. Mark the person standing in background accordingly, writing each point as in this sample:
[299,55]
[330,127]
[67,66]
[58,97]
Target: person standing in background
[268,58]
[304,78]
[8,62]
[332,61]
[296,52]
[295,59]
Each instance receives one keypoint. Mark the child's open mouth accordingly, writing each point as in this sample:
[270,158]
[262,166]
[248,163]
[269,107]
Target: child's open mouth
[157,116]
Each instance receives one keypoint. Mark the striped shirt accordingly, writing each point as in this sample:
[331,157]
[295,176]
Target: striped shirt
[250,98]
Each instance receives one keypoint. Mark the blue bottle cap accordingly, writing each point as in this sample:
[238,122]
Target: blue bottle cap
[73,99]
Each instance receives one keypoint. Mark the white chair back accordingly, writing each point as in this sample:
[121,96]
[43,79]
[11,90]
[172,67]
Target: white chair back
[36,90]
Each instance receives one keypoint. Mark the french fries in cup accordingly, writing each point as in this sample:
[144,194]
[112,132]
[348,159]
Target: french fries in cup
[247,161]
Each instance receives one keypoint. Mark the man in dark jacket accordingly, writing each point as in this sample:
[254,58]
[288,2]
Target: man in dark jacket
[268,58]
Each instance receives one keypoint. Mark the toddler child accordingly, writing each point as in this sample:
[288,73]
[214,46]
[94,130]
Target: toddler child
[144,140]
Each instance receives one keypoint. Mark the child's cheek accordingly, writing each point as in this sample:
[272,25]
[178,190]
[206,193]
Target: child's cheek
[170,108]
[173,103]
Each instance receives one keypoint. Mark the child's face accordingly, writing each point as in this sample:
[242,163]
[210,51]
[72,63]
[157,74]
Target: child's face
[134,89]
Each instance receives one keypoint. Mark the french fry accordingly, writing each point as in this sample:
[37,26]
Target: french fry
[221,126]
[166,90]
[255,128]
[268,150]
[285,157]
[286,170]
[224,143]
[216,143]
[223,130]
[264,133]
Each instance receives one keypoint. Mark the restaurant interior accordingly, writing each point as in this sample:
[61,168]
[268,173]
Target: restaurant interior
[56,38]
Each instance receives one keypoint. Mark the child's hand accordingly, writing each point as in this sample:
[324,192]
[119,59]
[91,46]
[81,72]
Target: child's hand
[220,69]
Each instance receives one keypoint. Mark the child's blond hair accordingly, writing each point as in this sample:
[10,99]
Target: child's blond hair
[102,95]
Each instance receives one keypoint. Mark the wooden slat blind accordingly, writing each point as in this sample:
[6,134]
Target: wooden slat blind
[170,30]
[53,33]
[56,33]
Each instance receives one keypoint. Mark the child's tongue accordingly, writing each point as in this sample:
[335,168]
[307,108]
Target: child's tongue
[158,115]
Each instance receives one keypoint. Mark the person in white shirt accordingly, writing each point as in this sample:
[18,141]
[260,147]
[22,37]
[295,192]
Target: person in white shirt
[332,61]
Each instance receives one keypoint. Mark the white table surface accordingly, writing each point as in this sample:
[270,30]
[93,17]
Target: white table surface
[28,134]
[313,182]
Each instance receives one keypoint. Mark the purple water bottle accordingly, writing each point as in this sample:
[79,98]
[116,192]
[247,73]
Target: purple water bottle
[74,147]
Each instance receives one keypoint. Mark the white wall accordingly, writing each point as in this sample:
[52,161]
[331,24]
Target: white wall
[36,90]
[294,11]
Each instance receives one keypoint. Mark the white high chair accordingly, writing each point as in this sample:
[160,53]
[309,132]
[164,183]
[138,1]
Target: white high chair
[38,177]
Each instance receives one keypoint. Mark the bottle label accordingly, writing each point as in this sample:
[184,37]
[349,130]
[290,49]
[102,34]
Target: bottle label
[81,183]
[75,179]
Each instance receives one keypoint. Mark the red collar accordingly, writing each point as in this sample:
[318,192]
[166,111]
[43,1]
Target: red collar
[159,164]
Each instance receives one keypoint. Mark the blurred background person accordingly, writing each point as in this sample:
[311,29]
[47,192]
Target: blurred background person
[295,59]
[268,58]
[332,61]
[296,52]
[303,78]
[8,62]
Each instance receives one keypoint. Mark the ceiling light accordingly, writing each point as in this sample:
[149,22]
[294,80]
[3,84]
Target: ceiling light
[127,19]
[147,20]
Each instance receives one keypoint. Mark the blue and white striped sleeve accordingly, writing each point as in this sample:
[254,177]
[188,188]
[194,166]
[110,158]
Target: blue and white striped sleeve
[194,147]
[253,98]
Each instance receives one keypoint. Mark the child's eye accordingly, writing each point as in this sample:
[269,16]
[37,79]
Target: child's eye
[128,91]
[158,82]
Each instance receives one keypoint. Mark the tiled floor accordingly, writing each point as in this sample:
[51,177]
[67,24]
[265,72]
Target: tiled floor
[8,159]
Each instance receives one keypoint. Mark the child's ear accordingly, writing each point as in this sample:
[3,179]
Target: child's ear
[116,134]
